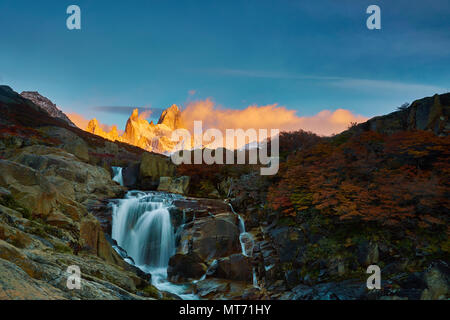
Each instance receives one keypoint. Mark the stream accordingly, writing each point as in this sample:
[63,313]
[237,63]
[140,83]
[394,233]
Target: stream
[141,225]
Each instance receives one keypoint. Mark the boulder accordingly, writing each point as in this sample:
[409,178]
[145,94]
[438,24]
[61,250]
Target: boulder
[183,267]
[93,240]
[174,185]
[235,267]
[212,288]
[28,187]
[211,238]
[153,167]
[73,178]
[219,289]
[130,175]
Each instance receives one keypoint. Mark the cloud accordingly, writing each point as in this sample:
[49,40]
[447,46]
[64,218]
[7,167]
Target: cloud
[267,117]
[145,114]
[337,81]
[269,74]
[367,84]
[82,123]
[192,92]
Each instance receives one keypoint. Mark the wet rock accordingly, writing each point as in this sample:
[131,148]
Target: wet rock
[102,211]
[212,288]
[178,185]
[212,238]
[235,267]
[225,289]
[130,175]
[183,267]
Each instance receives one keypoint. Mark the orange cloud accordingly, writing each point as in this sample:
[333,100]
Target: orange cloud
[82,123]
[145,114]
[268,117]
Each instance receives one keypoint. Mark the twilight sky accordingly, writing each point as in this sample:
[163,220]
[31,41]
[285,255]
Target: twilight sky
[307,56]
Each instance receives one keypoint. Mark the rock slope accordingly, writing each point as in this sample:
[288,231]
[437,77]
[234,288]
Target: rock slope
[46,105]
[53,174]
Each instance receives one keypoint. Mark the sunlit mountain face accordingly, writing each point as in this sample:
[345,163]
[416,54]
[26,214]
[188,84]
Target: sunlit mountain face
[158,137]
[139,132]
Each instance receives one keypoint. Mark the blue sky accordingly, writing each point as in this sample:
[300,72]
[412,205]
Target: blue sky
[305,55]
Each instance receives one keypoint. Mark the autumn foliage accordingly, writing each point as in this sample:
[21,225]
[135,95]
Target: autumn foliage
[388,179]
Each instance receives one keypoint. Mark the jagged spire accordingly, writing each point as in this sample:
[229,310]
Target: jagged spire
[171,117]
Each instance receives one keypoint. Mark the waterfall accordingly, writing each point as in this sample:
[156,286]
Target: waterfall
[245,238]
[117,172]
[141,224]
[247,244]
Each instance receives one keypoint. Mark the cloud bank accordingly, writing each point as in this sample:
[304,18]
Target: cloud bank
[271,116]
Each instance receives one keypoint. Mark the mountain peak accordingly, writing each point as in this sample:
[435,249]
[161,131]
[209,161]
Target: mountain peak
[46,105]
[135,114]
[171,117]
[92,125]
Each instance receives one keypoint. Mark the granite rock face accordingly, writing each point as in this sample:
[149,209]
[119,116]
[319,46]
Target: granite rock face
[431,113]
[53,174]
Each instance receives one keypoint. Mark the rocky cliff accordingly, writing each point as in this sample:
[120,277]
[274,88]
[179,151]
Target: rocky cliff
[54,177]
[46,105]
[430,114]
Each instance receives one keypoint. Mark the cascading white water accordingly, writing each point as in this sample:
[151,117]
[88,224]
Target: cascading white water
[245,238]
[117,175]
[247,243]
[142,226]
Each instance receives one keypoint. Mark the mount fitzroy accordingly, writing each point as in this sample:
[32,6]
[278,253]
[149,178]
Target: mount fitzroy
[139,132]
